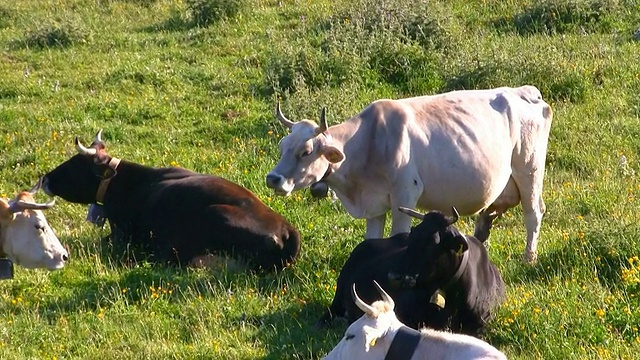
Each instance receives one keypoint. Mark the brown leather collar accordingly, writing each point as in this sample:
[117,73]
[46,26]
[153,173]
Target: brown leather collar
[104,183]
[461,268]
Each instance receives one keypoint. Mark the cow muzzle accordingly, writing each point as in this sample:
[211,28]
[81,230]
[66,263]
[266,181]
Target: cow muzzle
[402,281]
[279,184]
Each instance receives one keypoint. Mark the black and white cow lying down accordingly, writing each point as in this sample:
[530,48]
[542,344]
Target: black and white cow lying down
[182,216]
[438,277]
[378,335]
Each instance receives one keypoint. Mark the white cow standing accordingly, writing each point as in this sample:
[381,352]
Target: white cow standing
[25,236]
[371,337]
[480,151]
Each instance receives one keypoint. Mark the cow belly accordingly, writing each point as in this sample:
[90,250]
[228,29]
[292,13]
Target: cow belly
[469,197]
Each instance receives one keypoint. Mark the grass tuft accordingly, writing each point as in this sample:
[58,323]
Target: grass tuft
[206,12]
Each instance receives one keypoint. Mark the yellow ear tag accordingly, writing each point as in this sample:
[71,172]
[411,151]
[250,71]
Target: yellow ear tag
[373,342]
[460,250]
[438,299]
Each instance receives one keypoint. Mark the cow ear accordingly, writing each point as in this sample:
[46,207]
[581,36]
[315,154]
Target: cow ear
[333,154]
[459,244]
[5,213]
[371,336]
[463,244]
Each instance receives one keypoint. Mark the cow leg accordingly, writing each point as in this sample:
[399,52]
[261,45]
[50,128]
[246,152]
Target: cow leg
[484,224]
[405,195]
[401,222]
[510,197]
[533,207]
[375,227]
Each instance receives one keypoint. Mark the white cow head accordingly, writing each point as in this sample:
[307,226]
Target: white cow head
[25,236]
[370,336]
[306,155]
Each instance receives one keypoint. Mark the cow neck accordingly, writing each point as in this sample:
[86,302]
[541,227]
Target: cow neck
[461,268]
[104,183]
[404,344]
[329,171]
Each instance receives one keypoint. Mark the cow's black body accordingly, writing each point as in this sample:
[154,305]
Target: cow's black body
[176,213]
[411,267]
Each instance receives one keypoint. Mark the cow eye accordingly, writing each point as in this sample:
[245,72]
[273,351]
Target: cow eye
[39,227]
[349,336]
[305,153]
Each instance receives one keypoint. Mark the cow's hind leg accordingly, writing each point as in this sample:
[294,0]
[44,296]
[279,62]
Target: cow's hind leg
[533,207]
[510,197]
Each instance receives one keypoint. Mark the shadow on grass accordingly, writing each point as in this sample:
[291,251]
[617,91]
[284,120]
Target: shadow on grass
[292,334]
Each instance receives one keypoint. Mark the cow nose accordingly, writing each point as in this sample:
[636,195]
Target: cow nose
[394,279]
[65,257]
[273,180]
[401,281]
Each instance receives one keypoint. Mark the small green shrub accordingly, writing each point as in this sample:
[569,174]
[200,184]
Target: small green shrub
[408,21]
[564,16]
[206,12]
[409,68]
[290,67]
[56,34]
[556,83]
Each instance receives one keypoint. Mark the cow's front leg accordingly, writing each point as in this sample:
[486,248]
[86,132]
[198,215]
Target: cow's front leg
[375,227]
[401,222]
[405,194]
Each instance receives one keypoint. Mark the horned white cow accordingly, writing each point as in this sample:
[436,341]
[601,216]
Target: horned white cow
[25,236]
[378,334]
[480,151]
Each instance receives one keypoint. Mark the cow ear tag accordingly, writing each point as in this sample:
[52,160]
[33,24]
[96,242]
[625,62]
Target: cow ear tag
[460,250]
[333,154]
[438,299]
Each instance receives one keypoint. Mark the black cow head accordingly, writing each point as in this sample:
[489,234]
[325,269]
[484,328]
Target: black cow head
[434,245]
[77,179]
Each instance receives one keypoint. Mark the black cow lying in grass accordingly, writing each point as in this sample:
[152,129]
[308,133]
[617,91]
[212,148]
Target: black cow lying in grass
[439,278]
[180,215]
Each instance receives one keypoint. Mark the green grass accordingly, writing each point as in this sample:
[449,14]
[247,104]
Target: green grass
[180,83]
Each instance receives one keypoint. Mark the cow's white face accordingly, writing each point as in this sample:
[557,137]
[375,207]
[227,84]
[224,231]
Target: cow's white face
[369,337]
[305,158]
[28,240]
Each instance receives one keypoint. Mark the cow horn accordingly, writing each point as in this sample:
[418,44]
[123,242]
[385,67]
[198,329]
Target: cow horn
[17,206]
[83,150]
[98,137]
[36,187]
[323,121]
[283,119]
[452,220]
[366,308]
[385,297]
[411,213]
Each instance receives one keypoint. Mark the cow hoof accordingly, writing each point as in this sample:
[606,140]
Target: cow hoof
[319,189]
[530,257]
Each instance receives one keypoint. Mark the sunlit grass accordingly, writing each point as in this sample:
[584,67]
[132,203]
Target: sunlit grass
[169,93]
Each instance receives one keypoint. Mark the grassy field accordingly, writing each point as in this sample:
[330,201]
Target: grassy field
[193,83]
